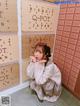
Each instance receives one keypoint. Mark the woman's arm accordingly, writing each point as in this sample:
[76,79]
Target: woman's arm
[30,69]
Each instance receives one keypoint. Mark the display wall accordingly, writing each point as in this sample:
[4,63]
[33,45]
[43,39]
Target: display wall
[16,44]
[58,26]
[9,50]
[67,46]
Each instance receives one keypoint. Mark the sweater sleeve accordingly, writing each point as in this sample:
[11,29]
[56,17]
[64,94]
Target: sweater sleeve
[30,70]
[56,75]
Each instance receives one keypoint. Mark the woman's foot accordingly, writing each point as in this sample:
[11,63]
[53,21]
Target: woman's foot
[40,100]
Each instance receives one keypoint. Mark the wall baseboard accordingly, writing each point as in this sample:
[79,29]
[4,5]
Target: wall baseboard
[14,89]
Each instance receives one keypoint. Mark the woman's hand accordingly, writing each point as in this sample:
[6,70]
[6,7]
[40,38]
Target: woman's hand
[33,59]
[42,61]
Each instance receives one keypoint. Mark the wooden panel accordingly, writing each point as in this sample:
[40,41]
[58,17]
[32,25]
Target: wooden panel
[25,46]
[24,69]
[29,42]
[39,16]
[8,48]
[8,15]
[9,76]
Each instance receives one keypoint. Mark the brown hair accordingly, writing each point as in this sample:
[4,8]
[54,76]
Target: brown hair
[45,48]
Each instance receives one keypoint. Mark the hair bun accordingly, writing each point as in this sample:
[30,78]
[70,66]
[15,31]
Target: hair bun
[47,51]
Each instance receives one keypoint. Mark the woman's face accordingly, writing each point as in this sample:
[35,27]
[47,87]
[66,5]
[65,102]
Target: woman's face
[38,53]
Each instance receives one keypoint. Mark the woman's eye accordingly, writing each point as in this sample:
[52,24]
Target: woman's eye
[40,52]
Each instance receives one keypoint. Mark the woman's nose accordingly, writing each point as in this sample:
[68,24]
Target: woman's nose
[36,54]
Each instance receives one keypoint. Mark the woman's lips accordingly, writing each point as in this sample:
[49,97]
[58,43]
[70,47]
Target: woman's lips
[37,59]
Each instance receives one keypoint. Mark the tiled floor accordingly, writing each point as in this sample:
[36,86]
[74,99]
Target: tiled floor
[24,97]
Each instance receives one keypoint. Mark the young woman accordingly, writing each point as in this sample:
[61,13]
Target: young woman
[45,77]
